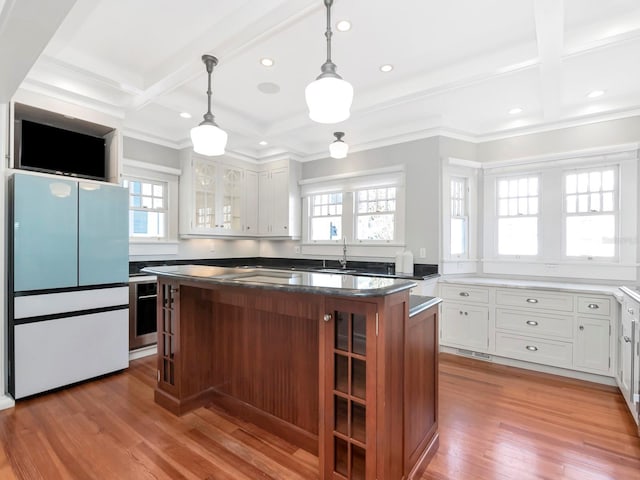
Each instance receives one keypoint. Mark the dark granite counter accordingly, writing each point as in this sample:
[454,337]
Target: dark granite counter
[376,269]
[419,303]
[292,281]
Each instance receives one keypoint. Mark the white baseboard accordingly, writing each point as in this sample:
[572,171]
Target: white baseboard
[143,352]
[7,401]
[488,357]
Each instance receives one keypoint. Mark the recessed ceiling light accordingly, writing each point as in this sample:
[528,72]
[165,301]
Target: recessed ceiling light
[263,142]
[515,111]
[595,93]
[386,68]
[343,25]
[185,115]
[266,62]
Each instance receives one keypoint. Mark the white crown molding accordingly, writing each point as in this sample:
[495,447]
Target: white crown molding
[559,125]
[569,154]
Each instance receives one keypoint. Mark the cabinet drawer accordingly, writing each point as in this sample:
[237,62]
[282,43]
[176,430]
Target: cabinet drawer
[462,293]
[538,324]
[532,349]
[537,299]
[594,306]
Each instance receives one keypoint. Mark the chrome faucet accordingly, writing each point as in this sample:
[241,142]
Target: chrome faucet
[343,260]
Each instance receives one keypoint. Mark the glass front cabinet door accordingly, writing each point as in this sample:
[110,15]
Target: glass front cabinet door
[349,350]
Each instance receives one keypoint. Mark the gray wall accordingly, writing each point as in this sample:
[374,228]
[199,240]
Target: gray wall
[422,163]
[614,132]
[150,152]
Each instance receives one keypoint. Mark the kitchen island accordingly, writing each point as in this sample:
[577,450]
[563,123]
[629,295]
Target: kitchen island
[332,363]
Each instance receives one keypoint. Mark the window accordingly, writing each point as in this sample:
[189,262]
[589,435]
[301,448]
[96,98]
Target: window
[326,217]
[459,217]
[147,208]
[376,213]
[590,209]
[365,208]
[517,215]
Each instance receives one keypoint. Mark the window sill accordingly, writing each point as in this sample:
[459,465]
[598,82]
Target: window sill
[138,248]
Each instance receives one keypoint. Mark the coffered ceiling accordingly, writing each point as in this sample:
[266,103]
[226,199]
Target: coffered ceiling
[459,67]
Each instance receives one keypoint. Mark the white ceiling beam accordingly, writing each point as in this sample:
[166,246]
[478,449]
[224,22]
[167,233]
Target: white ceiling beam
[228,38]
[549,17]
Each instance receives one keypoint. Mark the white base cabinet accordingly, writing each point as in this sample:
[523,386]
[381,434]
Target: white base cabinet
[545,326]
[467,326]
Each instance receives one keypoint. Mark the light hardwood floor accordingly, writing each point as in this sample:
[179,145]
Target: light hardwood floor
[495,423]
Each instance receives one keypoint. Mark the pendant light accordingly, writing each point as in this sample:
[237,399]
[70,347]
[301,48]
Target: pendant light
[329,97]
[207,138]
[338,149]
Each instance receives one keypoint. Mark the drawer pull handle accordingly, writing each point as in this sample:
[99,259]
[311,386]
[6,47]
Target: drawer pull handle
[464,294]
[144,297]
[533,323]
[327,317]
[626,339]
[532,300]
[593,306]
[532,348]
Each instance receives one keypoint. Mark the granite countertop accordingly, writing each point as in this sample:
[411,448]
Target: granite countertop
[538,284]
[419,303]
[291,281]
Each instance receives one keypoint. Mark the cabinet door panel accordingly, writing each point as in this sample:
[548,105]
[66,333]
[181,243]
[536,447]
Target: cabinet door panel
[465,326]
[45,234]
[103,232]
[592,344]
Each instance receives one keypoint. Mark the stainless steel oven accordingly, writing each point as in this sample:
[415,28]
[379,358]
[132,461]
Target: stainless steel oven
[142,312]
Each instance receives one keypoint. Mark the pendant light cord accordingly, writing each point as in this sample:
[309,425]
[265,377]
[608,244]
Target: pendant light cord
[210,61]
[328,33]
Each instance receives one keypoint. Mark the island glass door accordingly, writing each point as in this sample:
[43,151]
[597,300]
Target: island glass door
[349,430]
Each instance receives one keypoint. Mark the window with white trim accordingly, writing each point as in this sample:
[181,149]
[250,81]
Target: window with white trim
[591,213]
[325,218]
[364,208]
[517,203]
[147,208]
[459,225]
[376,214]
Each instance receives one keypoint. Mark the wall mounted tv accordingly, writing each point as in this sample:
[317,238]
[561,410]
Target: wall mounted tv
[49,149]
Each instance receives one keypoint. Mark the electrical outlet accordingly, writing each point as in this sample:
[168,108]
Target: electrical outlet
[423,252]
[296,249]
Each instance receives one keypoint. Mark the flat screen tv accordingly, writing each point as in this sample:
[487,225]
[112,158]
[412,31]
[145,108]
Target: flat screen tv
[44,148]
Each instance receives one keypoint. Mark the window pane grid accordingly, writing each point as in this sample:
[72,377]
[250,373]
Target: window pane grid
[375,214]
[518,209]
[518,197]
[326,216]
[590,209]
[458,197]
[590,191]
[147,208]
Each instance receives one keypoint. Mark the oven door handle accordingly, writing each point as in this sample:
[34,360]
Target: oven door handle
[143,297]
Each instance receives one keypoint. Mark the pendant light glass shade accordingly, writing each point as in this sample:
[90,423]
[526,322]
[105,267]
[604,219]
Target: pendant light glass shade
[338,149]
[207,138]
[329,97]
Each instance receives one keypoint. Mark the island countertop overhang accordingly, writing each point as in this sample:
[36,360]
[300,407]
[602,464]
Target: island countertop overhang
[289,281]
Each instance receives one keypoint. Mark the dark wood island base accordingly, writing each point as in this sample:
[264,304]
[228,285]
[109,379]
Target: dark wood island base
[350,378]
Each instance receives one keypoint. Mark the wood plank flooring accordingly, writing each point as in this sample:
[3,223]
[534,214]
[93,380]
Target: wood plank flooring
[496,422]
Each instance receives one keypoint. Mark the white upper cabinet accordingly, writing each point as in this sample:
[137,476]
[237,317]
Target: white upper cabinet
[212,197]
[279,200]
[227,197]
